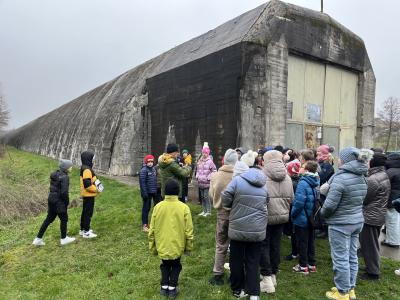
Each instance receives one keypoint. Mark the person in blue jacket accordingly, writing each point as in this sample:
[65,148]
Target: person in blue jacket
[302,211]
[148,188]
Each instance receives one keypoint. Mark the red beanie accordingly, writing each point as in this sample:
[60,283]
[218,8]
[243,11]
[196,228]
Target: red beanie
[293,167]
[148,157]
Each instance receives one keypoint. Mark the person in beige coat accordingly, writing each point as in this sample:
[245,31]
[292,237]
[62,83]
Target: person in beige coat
[280,195]
[219,181]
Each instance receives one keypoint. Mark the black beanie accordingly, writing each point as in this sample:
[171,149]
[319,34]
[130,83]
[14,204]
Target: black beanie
[378,160]
[172,148]
[172,188]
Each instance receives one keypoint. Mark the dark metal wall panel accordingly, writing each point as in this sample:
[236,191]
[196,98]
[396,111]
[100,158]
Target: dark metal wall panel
[197,99]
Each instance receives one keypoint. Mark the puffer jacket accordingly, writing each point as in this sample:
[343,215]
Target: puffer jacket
[59,190]
[246,197]
[304,200]
[205,167]
[393,171]
[280,192]
[378,192]
[347,191]
[87,175]
[148,181]
[326,171]
[219,181]
[170,169]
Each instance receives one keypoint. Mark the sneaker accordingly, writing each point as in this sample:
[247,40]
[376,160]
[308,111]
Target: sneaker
[312,269]
[164,292]
[367,276]
[290,257]
[67,240]
[300,269]
[239,294]
[266,285]
[227,267]
[202,214]
[145,228]
[335,295]
[89,235]
[352,293]
[82,231]
[254,298]
[38,242]
[173,293]
[273,277]
[397,272]
[207,215]
[217,280]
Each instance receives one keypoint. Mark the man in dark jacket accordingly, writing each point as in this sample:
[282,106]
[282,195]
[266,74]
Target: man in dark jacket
[246,197]
[374,210]
[392,238]
[148,189]
[58,201]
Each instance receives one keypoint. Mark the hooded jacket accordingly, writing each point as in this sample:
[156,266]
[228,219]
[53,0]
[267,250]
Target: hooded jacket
[171,229]
[375,202]
[347,191]
[87,176]
[304,200]
[280,192]
[393,171]
[219,181]
[246,197]
[170,169]
[205,168]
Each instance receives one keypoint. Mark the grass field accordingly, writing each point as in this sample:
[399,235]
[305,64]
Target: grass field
[117,264]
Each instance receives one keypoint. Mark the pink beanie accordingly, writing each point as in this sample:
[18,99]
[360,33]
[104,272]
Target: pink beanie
[323,152]
[206,150]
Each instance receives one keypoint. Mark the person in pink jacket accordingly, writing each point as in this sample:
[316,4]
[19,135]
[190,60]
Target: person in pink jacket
[205,167]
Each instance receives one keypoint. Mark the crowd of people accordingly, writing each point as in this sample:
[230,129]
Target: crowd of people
[258,197]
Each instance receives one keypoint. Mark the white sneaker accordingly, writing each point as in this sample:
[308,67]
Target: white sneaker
[273,277]
[227,267]
[38,242]
[89,235]
[397,272]
[202,214]
[254,298]
[207,215]
[81,232]
[67,240]
[266,285]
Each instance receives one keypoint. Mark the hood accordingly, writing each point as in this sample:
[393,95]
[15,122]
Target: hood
[356,167]
[55,175]
[393,161]
[311,180]
[65,164]
[207,159]
[165,160]
[87,158]
[255,177]
[275,169]
[376,170]
[239,168]
[226,169]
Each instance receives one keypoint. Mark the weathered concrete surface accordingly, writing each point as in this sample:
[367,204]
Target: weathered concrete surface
[227,86]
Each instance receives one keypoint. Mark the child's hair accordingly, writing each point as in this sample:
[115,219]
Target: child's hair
[311,166]
[172,187]
[308,154]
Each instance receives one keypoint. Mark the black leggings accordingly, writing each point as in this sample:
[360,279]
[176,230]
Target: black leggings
[87,213]
[170,270]
[51,216]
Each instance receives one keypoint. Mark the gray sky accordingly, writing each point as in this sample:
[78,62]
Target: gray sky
[53,51]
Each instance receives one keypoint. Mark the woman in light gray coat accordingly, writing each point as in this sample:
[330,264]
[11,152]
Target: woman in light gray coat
[343,213]
[246,197]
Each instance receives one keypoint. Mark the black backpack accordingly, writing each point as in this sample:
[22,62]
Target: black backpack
[315,220]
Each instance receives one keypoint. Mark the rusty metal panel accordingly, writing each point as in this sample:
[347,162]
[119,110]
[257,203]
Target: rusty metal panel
[294,136]
[333,85]
[311,136]
[295,91]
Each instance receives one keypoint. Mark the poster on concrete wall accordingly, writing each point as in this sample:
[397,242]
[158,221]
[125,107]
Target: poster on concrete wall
[314,112]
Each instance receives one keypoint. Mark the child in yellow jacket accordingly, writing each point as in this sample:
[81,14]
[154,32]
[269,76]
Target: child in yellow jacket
[170,235]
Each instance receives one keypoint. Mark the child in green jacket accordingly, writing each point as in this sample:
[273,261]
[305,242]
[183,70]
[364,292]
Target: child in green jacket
[170,235]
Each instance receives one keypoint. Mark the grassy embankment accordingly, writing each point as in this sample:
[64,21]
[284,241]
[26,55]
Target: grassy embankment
[117,265]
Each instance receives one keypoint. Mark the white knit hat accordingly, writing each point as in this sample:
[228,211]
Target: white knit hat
[249,158]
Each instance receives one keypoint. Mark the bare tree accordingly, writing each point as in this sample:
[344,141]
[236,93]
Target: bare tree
[390,116]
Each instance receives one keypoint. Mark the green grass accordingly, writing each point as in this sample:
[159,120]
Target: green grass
[117,264]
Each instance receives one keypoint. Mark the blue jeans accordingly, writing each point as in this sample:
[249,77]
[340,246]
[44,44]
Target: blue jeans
[343,240]
[205,200]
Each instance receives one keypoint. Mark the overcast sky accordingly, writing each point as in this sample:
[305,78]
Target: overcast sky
[52,51]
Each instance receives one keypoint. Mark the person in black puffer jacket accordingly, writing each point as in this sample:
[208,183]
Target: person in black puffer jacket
[58,201]
[374,210]
[392,216]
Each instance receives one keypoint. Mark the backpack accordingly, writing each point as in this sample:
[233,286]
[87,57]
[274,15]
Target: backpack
[315,220]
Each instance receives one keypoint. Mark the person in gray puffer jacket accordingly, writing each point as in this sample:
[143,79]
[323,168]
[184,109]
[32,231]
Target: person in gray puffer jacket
[246,197]
[375,206]
[342,211]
